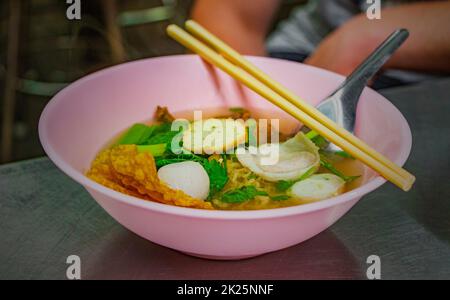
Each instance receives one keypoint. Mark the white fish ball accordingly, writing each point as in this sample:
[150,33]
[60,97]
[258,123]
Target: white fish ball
[189,177]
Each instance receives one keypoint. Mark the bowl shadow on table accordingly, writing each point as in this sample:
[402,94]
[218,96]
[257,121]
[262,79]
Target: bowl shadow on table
[322,257]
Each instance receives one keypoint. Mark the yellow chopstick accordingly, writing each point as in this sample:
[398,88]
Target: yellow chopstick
[232,55]
[239,74]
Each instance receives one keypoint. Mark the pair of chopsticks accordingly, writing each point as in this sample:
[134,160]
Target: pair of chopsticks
[219,54]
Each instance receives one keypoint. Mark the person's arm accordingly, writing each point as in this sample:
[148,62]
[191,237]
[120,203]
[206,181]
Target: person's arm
[242,24]
[427,49]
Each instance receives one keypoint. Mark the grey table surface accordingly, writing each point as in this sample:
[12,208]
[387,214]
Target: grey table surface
[45,217]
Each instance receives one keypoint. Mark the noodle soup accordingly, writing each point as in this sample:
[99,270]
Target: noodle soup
[221,161]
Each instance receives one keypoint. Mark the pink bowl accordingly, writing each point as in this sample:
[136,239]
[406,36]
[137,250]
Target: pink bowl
[82,118]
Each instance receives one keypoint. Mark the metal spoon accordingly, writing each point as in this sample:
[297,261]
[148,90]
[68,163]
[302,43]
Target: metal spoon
[342,104]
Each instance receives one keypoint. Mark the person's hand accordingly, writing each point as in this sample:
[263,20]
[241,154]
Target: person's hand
[241,24]
[345,48]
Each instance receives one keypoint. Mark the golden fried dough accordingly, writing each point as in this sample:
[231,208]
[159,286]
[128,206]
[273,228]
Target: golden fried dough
[125,170]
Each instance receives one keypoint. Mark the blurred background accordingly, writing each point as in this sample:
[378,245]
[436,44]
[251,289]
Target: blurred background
[42,51]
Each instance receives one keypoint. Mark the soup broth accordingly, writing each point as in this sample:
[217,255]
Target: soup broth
[246,189]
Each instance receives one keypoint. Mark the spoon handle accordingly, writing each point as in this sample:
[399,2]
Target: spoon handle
[357,81]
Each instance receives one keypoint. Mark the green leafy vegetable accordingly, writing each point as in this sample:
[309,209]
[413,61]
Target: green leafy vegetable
[217,172]
[154,150]
[320,142]
[251,137]
[161,128]
[242,194]
[312,134]
[284,185]
[317,139]
[156,135]
[323,143]
[162,138]
[172,159]
[162,134]
[168,161]
[238,110]
[218,175]
[344,154]
[252,176]
[329,166]
[280,198]
[307,174]
[138,134]
[233,157]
